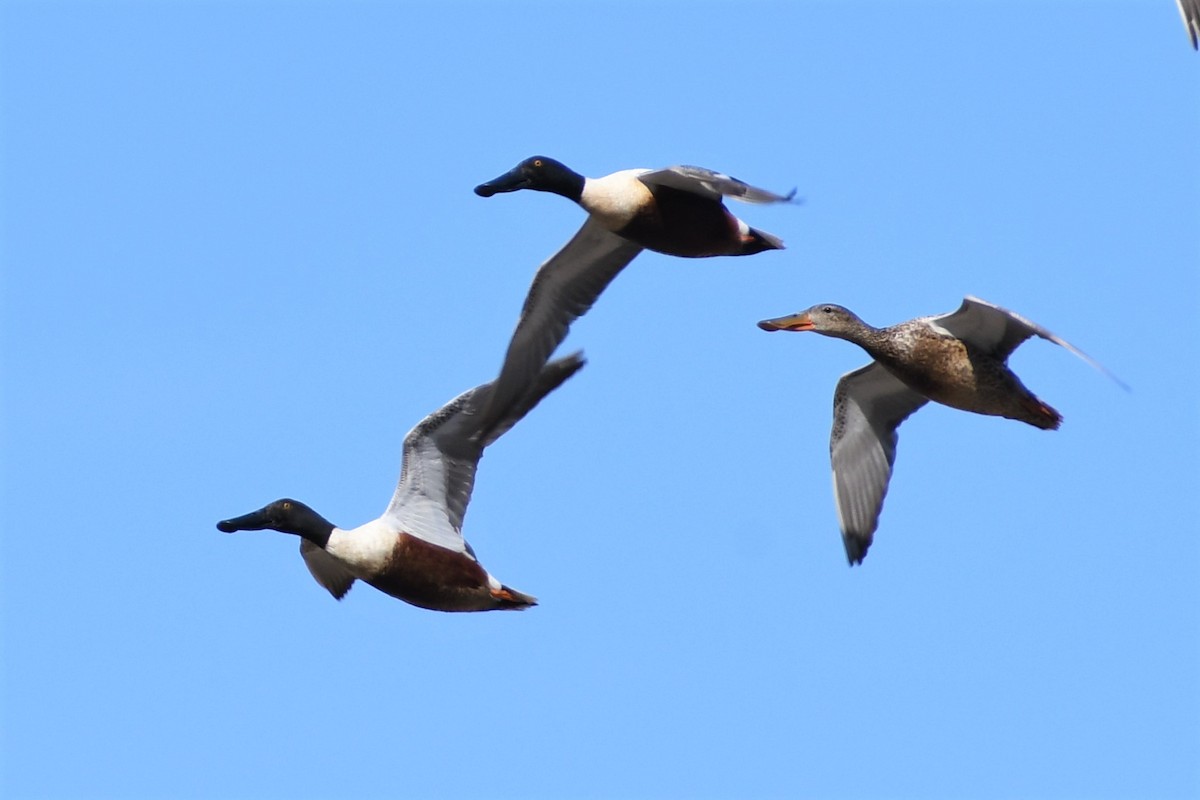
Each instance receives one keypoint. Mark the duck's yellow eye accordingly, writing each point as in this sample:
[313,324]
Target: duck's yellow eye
[287,506]
[537,162]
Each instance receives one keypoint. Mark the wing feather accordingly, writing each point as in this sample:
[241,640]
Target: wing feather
[715,185]
[563,289]
[1190,11]
[442,452]
[998,331]
[868,405]
[436,481]
[328,570]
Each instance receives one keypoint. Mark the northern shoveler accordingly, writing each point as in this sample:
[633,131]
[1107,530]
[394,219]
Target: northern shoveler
[677,211]
[415,551]
[958,359]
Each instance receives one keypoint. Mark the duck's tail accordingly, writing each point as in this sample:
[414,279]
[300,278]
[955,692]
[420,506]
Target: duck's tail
[509,599]
[756,241]
[1041,415]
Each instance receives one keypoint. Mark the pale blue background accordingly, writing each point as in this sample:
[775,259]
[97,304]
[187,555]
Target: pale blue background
[241,257]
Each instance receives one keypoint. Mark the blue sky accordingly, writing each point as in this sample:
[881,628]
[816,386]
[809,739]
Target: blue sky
[241,258]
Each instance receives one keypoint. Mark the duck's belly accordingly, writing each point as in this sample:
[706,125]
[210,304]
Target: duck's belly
[967,381]
[682,224]
[433,577]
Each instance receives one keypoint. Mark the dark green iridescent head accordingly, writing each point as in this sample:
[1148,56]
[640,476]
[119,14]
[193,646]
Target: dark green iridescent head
[539,173]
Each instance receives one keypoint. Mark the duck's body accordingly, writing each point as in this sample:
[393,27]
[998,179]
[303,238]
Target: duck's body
[958,359]
[421,573]
[944,368]
[667,211]
[415,551]
[678,211]
[383,554]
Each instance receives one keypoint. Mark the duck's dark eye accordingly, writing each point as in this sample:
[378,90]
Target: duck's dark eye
[828,309]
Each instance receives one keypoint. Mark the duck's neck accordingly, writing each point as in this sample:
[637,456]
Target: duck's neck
[890,344]
[855,331]
[565,182]
[308,524]
[875,341]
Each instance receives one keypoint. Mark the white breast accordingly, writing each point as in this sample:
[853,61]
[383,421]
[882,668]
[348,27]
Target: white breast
[615,199]
[366,549]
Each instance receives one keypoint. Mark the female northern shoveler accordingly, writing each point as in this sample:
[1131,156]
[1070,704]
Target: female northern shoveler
[677,211]
[958,359]
[416,550]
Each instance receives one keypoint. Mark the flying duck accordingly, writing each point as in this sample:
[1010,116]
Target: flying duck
[1190,11]
[957,359]
[677,211]
[416,550]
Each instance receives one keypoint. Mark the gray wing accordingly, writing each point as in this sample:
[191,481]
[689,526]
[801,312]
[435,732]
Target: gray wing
[1190,11]
[715,185]
[441,455]
[329,571]
[437,474]
[563,289]
[868,405]
[553,375]
[999,331]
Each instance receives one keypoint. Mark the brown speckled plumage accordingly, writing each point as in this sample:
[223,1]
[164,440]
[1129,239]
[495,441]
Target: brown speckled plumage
[954,372]
[958,359]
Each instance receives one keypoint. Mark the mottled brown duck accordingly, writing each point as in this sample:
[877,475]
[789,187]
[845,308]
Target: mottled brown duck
[958,359]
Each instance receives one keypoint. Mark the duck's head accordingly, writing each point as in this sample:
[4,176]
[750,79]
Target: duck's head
[829,319]
[285,516]
[539,173]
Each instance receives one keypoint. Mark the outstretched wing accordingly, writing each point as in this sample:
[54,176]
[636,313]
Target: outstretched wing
[563,289]
[329,571]
[868,405]
[999,331]
[987,327]
[708,183]
[435,475]
[1190,11]
[442,452]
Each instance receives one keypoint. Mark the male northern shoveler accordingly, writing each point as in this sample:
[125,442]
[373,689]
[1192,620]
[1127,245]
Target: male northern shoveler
[416,550]
[958,359]
[677,211]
